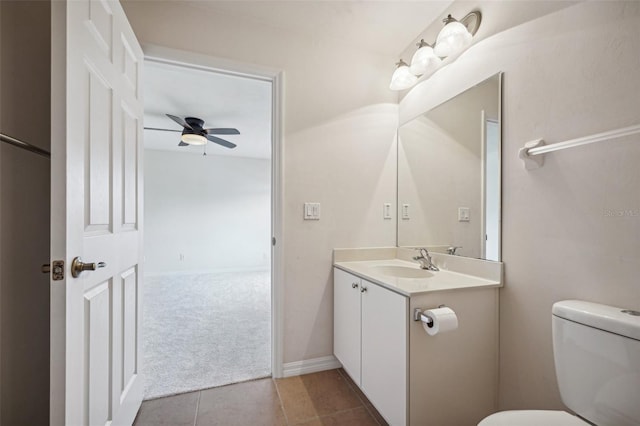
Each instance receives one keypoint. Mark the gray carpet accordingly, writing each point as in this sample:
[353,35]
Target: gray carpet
[205,330]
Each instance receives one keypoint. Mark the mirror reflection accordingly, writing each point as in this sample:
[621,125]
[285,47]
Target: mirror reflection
[449,175]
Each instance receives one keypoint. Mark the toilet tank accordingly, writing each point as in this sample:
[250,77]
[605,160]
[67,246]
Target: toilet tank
[597,357]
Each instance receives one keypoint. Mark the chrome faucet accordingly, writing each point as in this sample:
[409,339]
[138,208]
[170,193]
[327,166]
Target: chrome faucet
[425,260]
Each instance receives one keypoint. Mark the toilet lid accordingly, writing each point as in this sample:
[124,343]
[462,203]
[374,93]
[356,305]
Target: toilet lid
[532,418]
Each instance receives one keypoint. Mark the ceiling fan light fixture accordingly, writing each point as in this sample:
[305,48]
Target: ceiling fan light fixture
[193,132]
[193,139]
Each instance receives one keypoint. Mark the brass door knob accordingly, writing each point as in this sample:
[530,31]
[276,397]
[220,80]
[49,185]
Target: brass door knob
[78,266]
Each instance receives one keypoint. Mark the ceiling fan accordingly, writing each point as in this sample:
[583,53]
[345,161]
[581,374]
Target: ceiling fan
[193,132]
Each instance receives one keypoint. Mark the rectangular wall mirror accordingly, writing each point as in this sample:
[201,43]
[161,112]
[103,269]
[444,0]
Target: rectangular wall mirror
[449,175]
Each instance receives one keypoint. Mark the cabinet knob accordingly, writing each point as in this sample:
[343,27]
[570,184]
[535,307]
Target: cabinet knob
[363,289]
[354,285]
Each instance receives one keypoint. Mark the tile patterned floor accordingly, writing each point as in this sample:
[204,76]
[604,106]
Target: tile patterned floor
[318,399]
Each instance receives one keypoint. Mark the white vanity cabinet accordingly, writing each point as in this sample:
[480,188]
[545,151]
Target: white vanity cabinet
[411,377]
[347,331]
[371,342]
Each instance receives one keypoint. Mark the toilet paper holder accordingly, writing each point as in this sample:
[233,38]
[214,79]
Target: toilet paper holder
[417,314]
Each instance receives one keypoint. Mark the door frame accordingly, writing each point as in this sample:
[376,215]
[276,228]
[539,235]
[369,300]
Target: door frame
[164,55]
[485,171]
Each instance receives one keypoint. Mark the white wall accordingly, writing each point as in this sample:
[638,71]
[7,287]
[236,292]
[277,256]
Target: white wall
[339,143]
[214,210]
[24,213]
[569,74]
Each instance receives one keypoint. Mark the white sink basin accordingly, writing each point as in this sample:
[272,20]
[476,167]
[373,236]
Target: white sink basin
[406,277]
[397,271]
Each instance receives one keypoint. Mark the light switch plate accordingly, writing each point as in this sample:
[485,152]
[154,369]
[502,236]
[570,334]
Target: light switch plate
[386,211]
[463,214]
[405,212]
[311,211]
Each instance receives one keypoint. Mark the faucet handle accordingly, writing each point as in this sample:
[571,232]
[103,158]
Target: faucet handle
[452,250]
[425,253]
[422,253]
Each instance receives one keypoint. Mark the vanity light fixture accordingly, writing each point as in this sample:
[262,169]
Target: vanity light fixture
[424,59]
[453,38]
[402,77]
[193,139]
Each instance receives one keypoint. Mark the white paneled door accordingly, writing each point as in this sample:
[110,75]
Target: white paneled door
[96,214]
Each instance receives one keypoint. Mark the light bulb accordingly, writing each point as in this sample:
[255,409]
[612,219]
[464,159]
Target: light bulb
[193,139]
[452,38]
[402,77]
[424,60]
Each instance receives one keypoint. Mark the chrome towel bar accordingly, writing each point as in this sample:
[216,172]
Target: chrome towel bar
[532,152]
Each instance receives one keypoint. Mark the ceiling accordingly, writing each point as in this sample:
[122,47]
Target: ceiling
[221,100]
[384,27]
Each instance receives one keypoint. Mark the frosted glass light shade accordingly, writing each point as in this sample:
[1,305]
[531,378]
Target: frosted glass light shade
[452,38]
[424,60]
[192,139]
[402,77]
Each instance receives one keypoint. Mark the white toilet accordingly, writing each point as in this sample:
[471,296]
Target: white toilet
[597,357]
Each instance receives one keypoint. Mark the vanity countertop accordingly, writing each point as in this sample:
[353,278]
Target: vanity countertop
[406,278]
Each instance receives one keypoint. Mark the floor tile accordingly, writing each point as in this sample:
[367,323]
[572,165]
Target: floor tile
[177,410]
[356,417]
[249,403]
[370,408]
[315,395]
[354,387]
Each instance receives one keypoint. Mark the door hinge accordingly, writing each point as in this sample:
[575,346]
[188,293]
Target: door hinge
[273,241]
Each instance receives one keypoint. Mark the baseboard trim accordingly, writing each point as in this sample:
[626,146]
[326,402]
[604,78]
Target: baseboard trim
[306,366]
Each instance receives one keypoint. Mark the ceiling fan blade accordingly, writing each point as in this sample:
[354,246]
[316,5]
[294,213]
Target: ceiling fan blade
[222,131]
[180,121]
[162,130]
[183,144]
[222,142]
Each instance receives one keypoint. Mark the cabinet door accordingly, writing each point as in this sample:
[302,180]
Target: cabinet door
[346,322]
[384,351]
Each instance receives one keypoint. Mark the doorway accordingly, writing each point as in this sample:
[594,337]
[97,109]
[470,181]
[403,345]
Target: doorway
[209,227]
[491,190]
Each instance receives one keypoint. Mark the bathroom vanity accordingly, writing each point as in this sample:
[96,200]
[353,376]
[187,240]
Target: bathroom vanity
[413,378]
[371,341]
[410,376]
